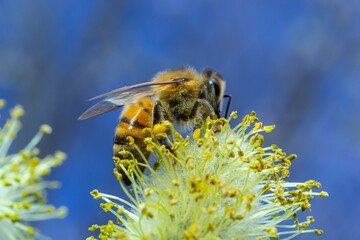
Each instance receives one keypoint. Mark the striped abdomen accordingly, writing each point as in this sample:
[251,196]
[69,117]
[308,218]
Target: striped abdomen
[134,118]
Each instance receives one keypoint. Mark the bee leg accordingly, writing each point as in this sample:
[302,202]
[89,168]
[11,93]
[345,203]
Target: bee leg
[159,115]
[201,110]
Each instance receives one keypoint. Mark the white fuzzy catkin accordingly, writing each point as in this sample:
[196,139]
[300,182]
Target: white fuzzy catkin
[219,184]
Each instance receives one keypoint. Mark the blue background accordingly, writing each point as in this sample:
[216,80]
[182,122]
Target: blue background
[296,63]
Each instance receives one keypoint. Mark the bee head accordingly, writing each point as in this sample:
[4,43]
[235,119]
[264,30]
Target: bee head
[213,90]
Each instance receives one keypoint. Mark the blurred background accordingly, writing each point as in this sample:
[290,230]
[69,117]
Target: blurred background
[296,63]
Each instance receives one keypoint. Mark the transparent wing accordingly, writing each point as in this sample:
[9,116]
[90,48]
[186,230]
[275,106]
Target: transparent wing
[120,99]
[140,85]
[97,109]
[114,101]
[125,95]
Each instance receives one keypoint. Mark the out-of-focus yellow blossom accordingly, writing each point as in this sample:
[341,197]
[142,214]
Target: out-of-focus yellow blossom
[22,187]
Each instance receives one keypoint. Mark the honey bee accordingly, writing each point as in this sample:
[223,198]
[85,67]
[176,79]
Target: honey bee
[180,96]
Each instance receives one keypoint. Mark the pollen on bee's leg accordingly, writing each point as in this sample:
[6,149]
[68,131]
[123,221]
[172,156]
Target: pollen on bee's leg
[159,128]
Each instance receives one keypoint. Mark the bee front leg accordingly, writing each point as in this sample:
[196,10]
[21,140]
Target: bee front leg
[201,110]
[159,115]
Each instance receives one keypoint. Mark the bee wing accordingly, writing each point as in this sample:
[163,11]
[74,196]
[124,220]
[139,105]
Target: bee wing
[99,108]
[140,85]
[125,95]
[114,101]
[120,99]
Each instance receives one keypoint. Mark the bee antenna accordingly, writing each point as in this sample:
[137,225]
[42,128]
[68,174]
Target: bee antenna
[228,104]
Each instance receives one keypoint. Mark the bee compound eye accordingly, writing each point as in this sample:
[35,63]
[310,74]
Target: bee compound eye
[215,83]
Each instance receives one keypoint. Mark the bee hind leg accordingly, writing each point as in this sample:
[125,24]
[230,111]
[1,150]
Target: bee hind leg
[159,115]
